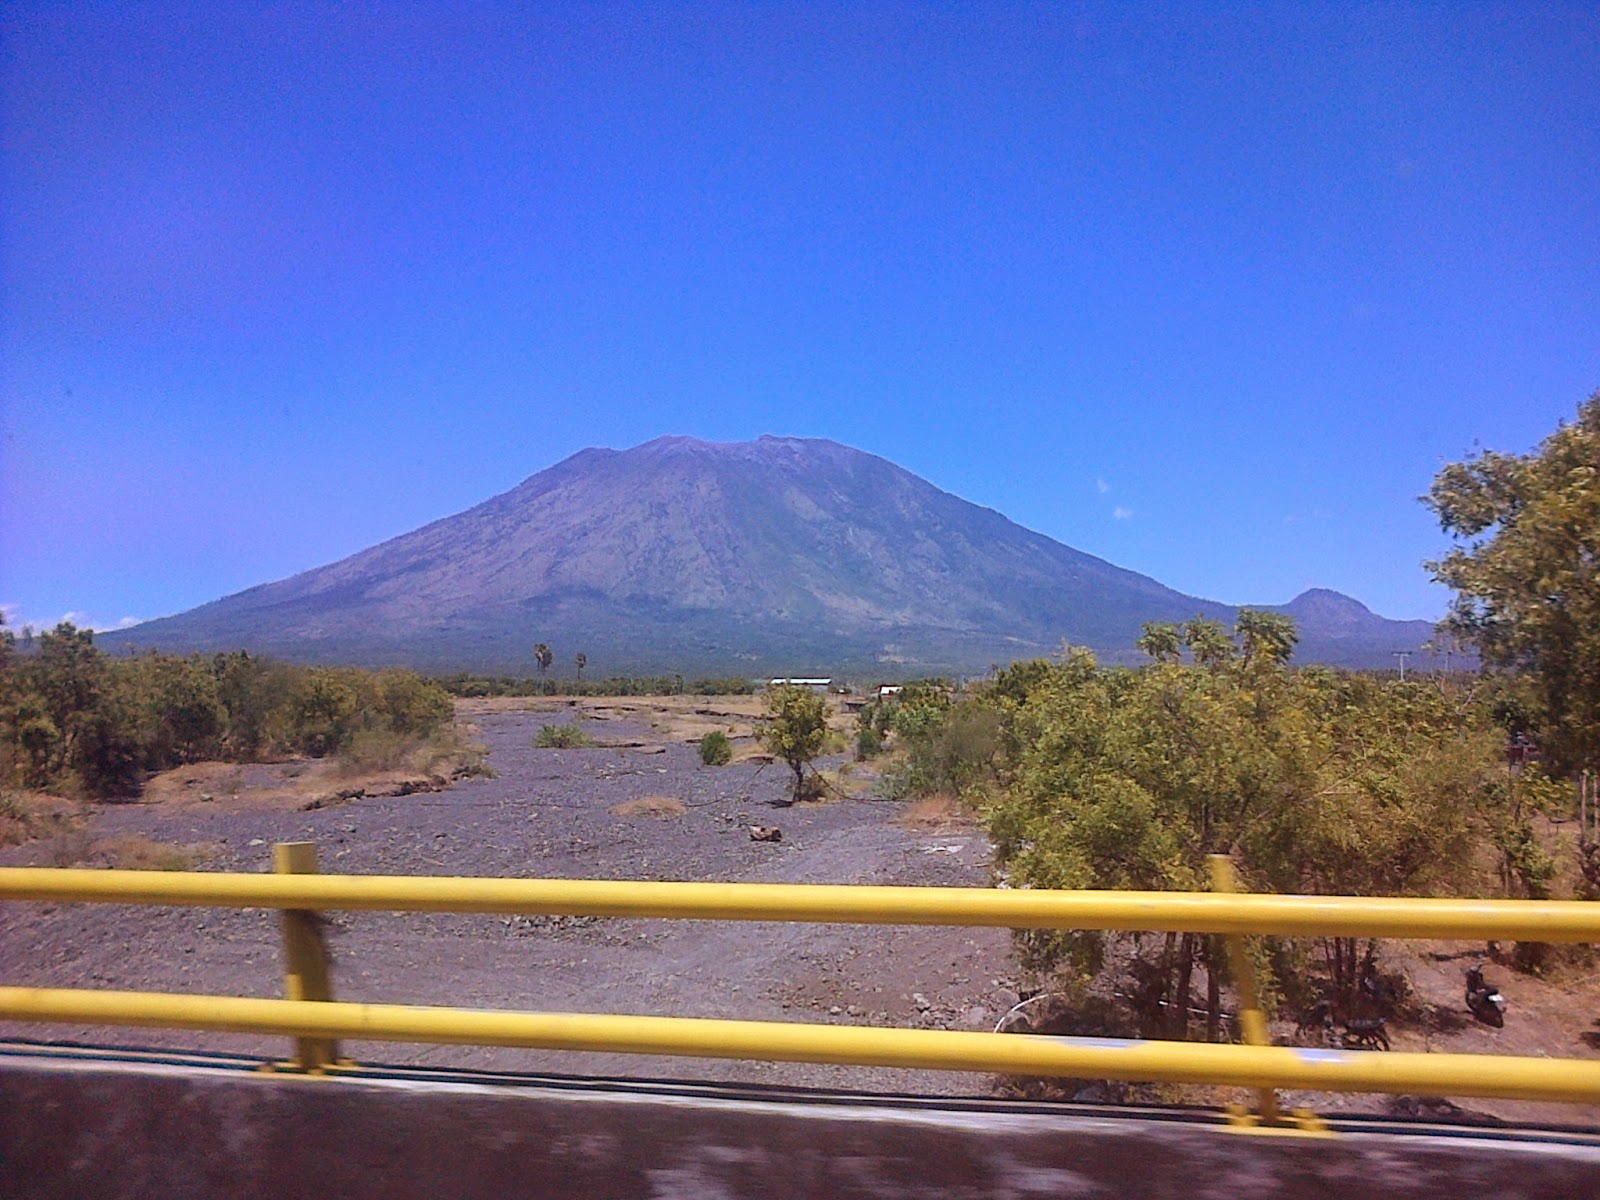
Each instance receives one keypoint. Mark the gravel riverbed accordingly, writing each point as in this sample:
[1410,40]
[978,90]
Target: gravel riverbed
[550,813]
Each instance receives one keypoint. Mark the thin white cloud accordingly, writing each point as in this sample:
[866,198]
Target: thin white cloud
[16,619]
[1101,486]
[1122,514]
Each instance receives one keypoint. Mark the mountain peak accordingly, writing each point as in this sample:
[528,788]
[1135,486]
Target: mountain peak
[782,554]
[1327,601]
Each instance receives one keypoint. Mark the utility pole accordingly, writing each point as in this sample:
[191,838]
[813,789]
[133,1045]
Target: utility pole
[1402,655]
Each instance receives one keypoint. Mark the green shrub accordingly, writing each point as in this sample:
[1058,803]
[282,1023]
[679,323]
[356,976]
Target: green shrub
[869,743]
[562,737]
[715,749]
[320,714]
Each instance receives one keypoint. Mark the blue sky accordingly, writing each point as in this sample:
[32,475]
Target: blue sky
[1208,290]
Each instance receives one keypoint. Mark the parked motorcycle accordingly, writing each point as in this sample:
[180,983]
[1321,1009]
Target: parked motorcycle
[1484,1000]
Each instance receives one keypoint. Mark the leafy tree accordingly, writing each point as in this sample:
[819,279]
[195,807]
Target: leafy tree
[794,729]
[251,690]
[70,676]
[408,704]
[107,755]
[1527,576]
[321,711]
[1017,682]
[1265,637]
[919,708]
[181,708]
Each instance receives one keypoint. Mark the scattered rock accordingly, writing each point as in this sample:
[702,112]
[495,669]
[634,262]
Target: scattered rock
[1437,1108]
[765,833]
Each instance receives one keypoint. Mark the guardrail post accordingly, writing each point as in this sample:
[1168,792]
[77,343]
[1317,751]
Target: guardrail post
[307,972]
[1252,1020]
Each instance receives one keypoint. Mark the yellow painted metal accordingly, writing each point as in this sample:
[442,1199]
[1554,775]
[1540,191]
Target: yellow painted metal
[307,972]
[1576,1080]
[1252,1021]
[1196,912]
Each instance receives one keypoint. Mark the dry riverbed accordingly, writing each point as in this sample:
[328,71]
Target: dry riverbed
[639,807]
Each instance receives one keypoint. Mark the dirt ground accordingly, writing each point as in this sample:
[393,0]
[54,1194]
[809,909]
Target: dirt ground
[639,805]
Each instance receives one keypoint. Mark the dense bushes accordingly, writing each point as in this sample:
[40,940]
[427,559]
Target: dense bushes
[75,720]
[1310,780]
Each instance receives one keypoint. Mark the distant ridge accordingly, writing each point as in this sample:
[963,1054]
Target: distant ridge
[781,555]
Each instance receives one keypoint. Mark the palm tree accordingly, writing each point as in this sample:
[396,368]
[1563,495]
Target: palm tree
[1161,640]
[1208,641]
[542,658]
[583,661]
[1266,636]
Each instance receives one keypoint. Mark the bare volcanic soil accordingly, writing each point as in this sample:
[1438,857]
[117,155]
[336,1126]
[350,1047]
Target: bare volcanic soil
[600,813]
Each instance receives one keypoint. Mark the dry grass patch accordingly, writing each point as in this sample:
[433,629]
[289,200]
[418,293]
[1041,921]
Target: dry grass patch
[934,813]
[836,786]
[130,852]
[25,816]
[651,806]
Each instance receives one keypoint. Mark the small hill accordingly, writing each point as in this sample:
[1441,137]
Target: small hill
[1336,629]
[781,555]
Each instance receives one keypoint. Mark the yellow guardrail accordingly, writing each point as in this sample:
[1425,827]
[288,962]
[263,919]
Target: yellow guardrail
[1191,912]
[1092,1058]
[312,1017]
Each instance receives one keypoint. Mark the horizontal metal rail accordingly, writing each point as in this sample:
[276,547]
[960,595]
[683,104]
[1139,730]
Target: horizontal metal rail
[1188,912]
[317,1021]
[1504,1077]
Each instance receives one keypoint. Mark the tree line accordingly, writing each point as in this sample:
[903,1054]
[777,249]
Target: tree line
[76,721]
[466,684]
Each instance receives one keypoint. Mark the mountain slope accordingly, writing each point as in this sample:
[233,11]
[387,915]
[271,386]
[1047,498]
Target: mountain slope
[780,555]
